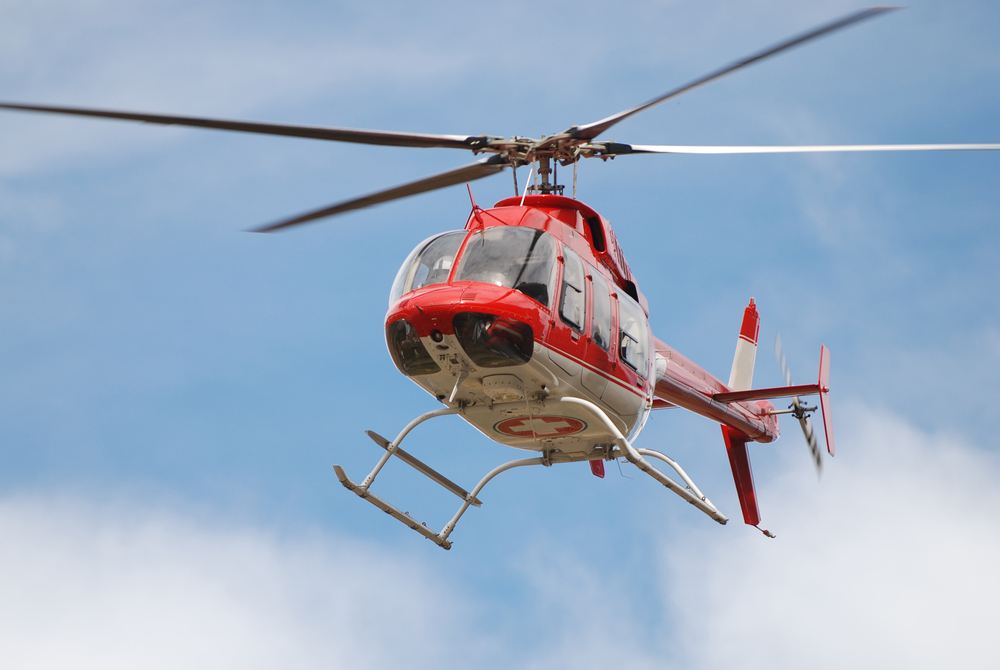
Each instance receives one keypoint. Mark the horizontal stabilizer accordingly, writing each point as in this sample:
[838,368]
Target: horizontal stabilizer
[767,394]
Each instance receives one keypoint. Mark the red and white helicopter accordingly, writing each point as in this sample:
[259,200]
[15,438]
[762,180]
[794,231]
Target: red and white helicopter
[529,324]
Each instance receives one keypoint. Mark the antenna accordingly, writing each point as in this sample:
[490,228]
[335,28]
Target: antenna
[527,185]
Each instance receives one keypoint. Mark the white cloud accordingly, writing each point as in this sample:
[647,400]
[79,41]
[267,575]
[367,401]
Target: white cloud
[890,562]
[94,586]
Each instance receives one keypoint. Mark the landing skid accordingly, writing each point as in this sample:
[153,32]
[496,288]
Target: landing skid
[622,448]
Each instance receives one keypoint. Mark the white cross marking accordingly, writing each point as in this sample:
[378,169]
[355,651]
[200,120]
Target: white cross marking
[540,426]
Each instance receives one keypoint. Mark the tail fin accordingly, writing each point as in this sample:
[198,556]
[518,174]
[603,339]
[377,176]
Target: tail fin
[739,460]
[741,377]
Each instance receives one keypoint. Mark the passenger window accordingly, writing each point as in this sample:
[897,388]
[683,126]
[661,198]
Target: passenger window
[602,311]
[634,347]
[573,305]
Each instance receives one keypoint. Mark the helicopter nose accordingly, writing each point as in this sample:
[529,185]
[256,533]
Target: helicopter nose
[494,326]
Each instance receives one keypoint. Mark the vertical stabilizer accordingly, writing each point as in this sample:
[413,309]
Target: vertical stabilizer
[741,377]
[739,460]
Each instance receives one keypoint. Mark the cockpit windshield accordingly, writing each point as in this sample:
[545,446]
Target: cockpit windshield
[523,259]
[430,263]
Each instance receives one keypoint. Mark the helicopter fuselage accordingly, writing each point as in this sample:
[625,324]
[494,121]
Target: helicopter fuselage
[533,302]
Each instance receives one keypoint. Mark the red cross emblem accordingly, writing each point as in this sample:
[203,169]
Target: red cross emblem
[540,426]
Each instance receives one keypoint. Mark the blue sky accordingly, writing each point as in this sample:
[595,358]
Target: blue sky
[174,391]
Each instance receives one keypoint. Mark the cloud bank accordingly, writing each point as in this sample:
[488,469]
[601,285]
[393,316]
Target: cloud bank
[890,561]
[92,586]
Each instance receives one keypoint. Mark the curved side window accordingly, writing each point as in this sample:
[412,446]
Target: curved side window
[523,259]
[572,307]
[602,311]
[430,263]
[634,344]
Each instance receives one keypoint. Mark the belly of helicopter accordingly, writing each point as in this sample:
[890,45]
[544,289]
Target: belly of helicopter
[519,406]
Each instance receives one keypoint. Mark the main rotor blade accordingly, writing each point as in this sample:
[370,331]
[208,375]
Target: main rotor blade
[617,149]
[592,130]
[478,170]
[381,137]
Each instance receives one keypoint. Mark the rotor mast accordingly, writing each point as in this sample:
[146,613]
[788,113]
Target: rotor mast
[545,155]
[544,185]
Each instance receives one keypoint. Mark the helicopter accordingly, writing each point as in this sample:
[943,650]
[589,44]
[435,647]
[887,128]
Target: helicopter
[529,324]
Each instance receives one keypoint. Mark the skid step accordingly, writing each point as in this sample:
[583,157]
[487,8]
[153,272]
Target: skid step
[423,468]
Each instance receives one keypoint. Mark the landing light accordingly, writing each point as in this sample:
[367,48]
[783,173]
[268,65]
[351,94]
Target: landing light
[492,341]
[503,388]
[408,352]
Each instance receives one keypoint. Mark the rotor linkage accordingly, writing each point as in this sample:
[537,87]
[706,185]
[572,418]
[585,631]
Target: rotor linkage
[796,409]
[544,186]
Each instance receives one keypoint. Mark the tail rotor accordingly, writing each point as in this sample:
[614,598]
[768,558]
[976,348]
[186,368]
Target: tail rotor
[798,409]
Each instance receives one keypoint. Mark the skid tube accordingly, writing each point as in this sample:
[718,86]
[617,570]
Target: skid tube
[624,449]
[689,493]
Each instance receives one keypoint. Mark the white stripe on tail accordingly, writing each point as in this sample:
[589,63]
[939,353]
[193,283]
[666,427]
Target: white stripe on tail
[741,378]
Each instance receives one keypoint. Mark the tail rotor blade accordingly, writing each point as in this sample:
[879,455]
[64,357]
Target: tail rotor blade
[807,430]
[779,352]
[804,422]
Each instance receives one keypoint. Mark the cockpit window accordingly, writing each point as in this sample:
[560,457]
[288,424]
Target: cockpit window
[523,259]
[430,263]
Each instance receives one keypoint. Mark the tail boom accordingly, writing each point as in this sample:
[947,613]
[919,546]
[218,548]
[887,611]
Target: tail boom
[683,383]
